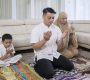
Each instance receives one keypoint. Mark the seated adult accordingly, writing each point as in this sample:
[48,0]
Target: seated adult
[69,48]
[46,38]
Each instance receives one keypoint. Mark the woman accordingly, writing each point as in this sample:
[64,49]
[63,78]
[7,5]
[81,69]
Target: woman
[69,49]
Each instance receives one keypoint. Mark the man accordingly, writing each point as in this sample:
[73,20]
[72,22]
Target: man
[46,38]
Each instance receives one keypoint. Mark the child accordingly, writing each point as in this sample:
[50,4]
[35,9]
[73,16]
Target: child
[24,71]
[6,47]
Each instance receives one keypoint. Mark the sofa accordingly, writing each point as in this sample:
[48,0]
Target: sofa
[21,30]
[82,28]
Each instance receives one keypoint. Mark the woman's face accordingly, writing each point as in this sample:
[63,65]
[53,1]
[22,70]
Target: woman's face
[63,19]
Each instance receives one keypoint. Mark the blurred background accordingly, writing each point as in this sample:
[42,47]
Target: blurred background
[32,9]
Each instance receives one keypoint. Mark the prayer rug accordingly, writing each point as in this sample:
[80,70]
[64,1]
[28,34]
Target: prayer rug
[18,71]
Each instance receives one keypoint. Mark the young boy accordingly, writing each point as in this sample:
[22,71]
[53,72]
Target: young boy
[6,47]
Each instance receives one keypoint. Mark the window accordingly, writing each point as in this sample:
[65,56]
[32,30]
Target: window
[5,9]
[78,9]
[32,9]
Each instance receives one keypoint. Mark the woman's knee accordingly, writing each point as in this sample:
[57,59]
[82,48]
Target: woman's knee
[75,51]
[67,53]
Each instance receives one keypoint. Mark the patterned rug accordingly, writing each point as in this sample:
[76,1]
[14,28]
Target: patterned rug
[18,71]
[79,73]
[81,63]
[65,75]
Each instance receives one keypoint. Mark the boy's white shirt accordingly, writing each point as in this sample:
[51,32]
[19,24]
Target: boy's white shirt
[3,49]
[9,60]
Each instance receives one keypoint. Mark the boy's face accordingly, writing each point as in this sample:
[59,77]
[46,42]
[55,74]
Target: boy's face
[7,43]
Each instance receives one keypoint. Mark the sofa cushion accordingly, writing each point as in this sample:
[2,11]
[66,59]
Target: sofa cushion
[83,38]
[84,45]
[11,22]
[13,29]
[81,26]
[29,28]
[22,40]
[32,22]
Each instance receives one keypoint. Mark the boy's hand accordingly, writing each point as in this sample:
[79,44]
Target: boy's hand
[9,51]
[47,35]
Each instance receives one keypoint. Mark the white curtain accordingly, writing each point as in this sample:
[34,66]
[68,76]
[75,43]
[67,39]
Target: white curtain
[82,9]
[5,9]
[32,9]
[78,9]
[39,5]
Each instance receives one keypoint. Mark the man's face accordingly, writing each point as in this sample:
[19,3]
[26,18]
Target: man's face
[48,18]
[7,43]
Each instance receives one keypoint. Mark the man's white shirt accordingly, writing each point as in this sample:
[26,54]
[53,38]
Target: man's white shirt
[49,50]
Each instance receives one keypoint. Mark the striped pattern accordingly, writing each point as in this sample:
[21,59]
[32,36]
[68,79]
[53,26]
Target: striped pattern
[19,71]
[65,75]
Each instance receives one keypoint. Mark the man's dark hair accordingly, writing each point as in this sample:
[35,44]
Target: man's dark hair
[6,36]
[50,10]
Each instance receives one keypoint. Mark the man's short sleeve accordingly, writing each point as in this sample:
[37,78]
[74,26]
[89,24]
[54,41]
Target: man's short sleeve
[34,35]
